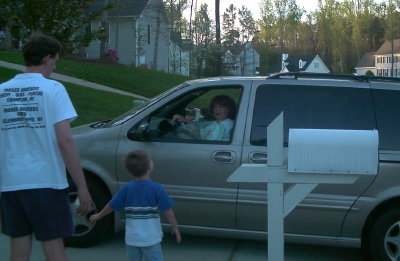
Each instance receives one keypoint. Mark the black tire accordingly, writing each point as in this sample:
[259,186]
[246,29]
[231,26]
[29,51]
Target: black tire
[382,241]
[87,234]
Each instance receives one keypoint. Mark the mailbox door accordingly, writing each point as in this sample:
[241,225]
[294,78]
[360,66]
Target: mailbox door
[319,106]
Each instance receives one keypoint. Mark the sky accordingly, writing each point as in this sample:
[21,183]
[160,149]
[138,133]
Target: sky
[252,5]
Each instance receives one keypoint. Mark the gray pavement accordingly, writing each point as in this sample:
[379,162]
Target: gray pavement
[66,78]
[198,248]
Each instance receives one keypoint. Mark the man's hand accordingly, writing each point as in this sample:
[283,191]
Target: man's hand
[85,201]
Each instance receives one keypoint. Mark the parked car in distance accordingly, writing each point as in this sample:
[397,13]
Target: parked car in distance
[194,169]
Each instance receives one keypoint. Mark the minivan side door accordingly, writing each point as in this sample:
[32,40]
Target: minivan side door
[193,171]
[316,105]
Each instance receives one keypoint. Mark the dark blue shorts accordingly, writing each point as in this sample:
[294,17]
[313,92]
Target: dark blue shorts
[44,212]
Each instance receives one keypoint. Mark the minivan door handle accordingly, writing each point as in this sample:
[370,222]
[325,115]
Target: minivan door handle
[224,156]
[258,157]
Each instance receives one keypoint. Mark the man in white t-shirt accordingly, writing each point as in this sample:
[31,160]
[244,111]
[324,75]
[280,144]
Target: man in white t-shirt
[36,146]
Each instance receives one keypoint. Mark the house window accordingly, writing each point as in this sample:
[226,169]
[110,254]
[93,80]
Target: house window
[377,59]
[148,34]
[316,65]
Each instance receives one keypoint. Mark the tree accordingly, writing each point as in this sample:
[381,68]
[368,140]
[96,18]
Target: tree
[248,26]
[174,10]
[64,20]
[231,32]
[203,38]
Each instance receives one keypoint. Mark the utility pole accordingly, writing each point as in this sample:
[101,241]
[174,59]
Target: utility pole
[190,37]
[218,38]
[391,36]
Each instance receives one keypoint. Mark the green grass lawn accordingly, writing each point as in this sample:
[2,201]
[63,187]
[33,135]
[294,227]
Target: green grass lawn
[91,105]
[148,83]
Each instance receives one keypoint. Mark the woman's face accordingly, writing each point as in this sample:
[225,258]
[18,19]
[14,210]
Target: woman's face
[221,112]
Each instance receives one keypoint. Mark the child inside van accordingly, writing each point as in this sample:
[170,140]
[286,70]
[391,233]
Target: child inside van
[142,199]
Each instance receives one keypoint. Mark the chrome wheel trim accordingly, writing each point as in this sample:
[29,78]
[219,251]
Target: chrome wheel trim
[82,225]
[392,242]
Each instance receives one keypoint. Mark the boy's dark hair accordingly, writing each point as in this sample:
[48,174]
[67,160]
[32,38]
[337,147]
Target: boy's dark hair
[137,162]
[39,46]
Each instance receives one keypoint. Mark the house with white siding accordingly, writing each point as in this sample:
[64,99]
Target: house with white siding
[138,30]
[241,60]
[382,61]
[312,64]
[179,54]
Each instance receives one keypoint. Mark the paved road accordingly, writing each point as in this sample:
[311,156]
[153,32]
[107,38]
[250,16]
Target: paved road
[196,248]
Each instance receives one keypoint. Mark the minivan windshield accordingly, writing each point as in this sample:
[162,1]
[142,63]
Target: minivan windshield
[135,110]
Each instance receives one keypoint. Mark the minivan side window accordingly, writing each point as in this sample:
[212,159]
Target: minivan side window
[387,107]
[311,107]
[204,115]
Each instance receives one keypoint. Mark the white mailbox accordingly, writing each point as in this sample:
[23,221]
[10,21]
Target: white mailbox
[314,157]
[333,151]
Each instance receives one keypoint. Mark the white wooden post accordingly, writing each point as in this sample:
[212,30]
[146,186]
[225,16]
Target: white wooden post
[281,203]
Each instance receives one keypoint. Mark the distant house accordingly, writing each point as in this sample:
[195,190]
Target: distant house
[367,63]
[179,52]
[241,60]
[383,59]
[300,64]
[138,30]
[380,62]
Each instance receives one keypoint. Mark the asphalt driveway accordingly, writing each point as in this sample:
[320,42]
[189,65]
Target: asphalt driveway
[197,248]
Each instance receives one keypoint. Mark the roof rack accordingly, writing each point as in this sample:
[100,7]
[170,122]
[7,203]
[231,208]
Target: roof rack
[353,77]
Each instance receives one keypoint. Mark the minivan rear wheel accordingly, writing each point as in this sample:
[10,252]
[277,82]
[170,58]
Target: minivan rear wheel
[87,234]
[384,236]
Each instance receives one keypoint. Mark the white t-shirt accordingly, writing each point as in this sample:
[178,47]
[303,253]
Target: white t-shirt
[30,105]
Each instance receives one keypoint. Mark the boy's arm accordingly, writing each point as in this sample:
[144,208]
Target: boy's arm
[105,211]
[169,214]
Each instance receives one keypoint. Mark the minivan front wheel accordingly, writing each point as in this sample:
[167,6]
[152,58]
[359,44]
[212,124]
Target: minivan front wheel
[384,236]
[86,233]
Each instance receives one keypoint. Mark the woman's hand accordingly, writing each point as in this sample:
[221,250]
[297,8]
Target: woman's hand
[180,118]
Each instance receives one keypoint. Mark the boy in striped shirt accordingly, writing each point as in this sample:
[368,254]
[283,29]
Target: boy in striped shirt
[142,199]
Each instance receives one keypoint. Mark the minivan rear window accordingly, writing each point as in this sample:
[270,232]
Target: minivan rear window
[387,106]
[311,107]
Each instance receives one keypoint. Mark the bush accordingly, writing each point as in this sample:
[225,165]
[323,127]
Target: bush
[369,73]
[112,55]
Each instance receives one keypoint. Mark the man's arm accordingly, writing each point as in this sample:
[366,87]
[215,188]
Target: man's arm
[70,154]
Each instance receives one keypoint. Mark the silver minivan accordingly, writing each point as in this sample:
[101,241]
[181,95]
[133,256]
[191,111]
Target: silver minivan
[194,170]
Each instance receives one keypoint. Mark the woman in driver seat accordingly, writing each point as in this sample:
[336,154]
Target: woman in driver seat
[223,109]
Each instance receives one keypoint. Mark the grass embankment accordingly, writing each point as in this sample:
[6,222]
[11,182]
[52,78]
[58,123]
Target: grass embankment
[148,83]
[94,105]
[90,104]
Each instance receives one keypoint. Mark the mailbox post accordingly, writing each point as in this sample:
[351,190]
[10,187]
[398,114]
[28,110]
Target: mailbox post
[313,158]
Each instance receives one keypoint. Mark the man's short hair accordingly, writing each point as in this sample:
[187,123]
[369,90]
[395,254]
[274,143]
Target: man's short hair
[39,46]
[137,162]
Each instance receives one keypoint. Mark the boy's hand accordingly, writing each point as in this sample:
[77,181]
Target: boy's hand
[175,231]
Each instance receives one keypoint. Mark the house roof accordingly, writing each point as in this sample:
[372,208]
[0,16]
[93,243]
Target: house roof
[122,7]
[368,60]
[386,47]
[293,64]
